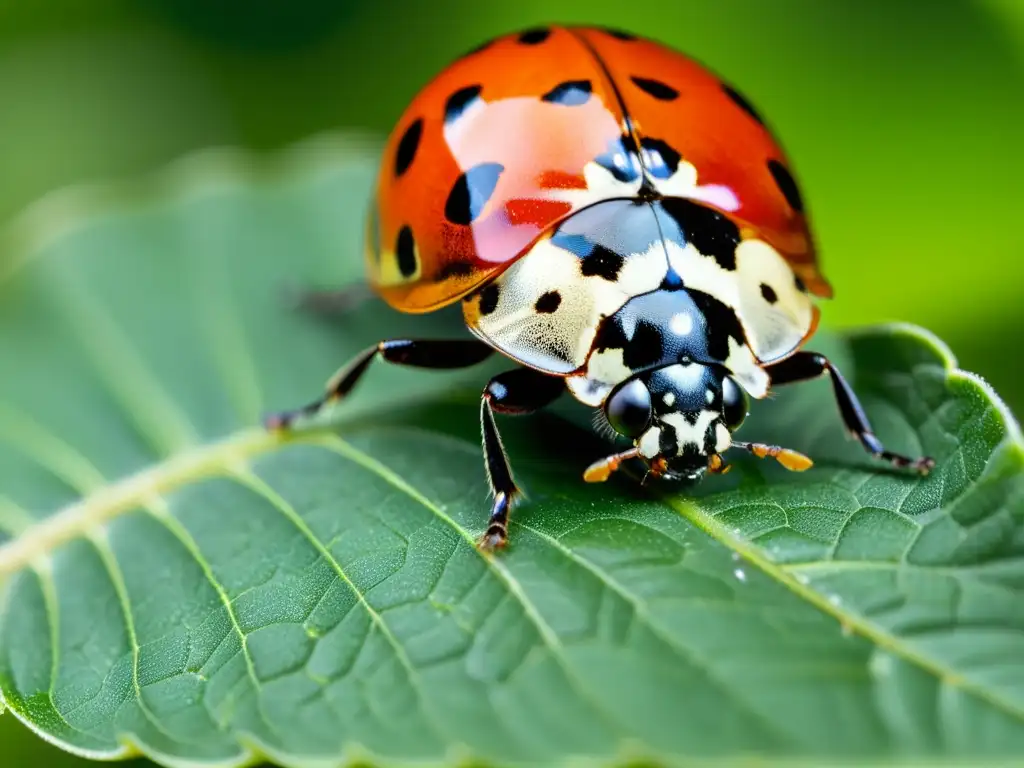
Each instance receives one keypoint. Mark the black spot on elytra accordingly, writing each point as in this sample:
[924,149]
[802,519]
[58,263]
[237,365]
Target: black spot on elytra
[602,262]
[534,36]
[711,233]
[787,185]
[571,93]
[471,192]
[595,260]
[645,348]
[619,161]
[548,303]
[489,299]
[741,102]
[662,160]
[454,269]
[799,283]
[407,146]
[618,34]
[769,293]
[458,101]
[405,252]
[720,322]
[656,88]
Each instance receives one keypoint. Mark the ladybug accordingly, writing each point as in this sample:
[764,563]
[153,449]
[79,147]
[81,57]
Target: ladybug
[620,223]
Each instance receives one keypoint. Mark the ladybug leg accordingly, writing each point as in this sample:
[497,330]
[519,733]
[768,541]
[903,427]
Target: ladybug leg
[419,353]
[804,366]
[331,302]
[790,459]
[516,392]
[602,469]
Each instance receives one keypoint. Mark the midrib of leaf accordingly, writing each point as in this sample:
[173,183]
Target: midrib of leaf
[132,492]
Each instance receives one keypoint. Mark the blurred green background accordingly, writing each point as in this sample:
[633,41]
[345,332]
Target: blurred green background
[903,120]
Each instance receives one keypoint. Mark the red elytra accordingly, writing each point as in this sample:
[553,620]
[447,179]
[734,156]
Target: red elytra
[495,151]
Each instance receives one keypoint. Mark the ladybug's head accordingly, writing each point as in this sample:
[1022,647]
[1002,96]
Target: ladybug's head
[680,418]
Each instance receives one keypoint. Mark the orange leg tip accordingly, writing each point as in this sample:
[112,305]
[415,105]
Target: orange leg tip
[793,461]
[491,542]
[717,465]
[601,470]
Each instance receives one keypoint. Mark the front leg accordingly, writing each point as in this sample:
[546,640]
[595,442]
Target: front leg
[439,354]
[516,392]
[810,365]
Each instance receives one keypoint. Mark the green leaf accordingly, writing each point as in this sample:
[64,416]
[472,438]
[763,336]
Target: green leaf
[180,584]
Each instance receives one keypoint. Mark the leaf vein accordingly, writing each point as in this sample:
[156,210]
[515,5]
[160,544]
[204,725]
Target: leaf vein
[162,514]
[248,478]
[512,585]
[641,612]
[145,403]
[116,576]
[14,520]
[883,638]
[228,341]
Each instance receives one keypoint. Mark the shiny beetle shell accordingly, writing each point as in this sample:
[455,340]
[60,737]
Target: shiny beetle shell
[516,136]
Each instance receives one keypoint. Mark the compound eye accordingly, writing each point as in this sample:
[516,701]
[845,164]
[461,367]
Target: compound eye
[629,409]
[734,404]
